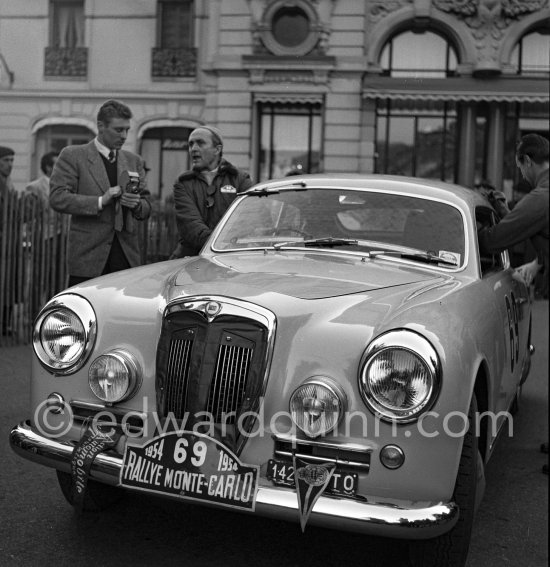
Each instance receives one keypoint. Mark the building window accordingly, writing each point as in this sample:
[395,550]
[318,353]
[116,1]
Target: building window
[290,139]
[66,55]
[67,23]
[290,28]
[413,54]
[176,24]
[165,151]
[175,54]
[531,56]
[55,138]
[416,138]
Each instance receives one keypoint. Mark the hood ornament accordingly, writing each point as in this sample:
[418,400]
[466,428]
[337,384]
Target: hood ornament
[212,308]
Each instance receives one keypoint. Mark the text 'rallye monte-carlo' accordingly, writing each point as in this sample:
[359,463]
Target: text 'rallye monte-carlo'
[339,354]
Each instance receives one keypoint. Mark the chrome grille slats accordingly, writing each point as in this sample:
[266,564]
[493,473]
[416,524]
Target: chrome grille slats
[213,357]
[228,385]
[177,374]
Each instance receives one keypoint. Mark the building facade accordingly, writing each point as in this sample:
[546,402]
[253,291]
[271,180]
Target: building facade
[431,88]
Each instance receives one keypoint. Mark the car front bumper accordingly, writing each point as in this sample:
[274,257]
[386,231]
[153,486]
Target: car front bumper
[405,522]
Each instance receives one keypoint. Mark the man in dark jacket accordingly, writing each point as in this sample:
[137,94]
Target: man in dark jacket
[203,194]
[529,218]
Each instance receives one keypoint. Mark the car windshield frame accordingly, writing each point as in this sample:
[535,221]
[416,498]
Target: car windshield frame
[374,249]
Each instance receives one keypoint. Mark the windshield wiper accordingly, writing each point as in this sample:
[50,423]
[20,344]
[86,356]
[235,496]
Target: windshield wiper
[328,242]
[276,189]
[424,256]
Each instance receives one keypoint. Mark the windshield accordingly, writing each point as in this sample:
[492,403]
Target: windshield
[359,221]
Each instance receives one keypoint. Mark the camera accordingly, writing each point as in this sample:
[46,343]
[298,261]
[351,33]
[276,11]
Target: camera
[129,181]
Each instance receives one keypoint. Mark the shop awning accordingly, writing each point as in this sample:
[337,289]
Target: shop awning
[510,89]
[294,98]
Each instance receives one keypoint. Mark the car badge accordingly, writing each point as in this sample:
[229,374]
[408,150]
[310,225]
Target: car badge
[212,308]
[311,481]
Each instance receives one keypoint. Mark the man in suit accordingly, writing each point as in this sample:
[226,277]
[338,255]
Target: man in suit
[103,236]
[41,186]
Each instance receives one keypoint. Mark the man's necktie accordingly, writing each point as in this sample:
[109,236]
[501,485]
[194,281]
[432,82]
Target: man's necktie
[119,215]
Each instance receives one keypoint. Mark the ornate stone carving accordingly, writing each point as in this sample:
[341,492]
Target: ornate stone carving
[316,43]
[381,8]
[488,19]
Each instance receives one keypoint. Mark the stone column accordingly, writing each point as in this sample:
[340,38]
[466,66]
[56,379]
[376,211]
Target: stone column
[467,144]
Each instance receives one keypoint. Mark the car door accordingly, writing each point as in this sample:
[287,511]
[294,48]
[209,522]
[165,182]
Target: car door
[510,302]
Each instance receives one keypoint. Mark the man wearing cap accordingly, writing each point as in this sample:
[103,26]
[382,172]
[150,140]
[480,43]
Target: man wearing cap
[204,193]
[103,237]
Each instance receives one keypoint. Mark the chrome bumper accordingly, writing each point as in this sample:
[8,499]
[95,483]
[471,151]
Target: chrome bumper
[280,503]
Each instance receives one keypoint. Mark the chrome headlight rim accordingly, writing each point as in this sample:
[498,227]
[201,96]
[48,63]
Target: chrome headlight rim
[416,344]
[334,388]
[84,312]
[133,369]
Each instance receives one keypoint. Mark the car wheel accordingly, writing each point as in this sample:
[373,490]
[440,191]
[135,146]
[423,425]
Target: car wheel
[98,496]
[451,548]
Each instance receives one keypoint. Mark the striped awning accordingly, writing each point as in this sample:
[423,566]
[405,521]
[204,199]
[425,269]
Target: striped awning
[458,89]
[289,98]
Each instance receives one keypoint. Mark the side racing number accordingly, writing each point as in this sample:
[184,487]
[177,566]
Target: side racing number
[513,329]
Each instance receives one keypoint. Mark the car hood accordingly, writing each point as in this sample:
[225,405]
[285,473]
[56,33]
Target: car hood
[295,274]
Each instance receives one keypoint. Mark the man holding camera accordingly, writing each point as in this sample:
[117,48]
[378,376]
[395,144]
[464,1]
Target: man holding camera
[103,188]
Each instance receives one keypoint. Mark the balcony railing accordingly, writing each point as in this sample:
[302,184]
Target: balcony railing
[169,62]
[66,62]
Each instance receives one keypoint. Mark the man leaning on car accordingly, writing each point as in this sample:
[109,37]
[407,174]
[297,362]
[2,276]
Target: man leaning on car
[203,194]
[529,218]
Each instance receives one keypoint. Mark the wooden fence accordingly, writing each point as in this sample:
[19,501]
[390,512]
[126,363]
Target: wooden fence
[33,258]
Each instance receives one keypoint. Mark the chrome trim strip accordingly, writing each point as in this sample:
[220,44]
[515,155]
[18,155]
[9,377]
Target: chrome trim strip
[355,464]
[117,411]
[372,518]
[327,444]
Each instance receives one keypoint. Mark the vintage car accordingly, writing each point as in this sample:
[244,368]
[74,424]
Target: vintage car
[339,354]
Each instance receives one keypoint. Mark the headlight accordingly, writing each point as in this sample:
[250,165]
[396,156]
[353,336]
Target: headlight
[317,406]
[400,376]
[114,376]
[64,333]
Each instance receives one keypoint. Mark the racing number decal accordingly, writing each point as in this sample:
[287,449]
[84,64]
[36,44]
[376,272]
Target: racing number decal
[513,328]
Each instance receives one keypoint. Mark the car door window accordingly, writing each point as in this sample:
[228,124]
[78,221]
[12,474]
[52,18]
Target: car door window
[485,218]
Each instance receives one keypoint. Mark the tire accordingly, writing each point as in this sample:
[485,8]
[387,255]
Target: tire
[98,496]
[451,548]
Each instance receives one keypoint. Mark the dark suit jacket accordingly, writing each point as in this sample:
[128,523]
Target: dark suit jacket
[78,180]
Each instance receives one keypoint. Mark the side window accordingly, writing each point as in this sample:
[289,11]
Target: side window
[485,217]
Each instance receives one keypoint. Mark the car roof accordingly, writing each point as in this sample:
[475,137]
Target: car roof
[427,188]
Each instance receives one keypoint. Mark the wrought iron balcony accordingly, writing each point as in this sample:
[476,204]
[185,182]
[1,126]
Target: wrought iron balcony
[170,62]
[66,62]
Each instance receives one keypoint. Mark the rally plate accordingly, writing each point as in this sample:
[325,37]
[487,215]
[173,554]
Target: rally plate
[341,483]
[192,466]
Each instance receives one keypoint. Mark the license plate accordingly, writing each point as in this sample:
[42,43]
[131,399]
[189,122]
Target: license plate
[190,465]
[341,483]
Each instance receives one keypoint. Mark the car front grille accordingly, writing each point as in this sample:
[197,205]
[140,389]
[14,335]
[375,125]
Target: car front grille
[229,381]
[216,365]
